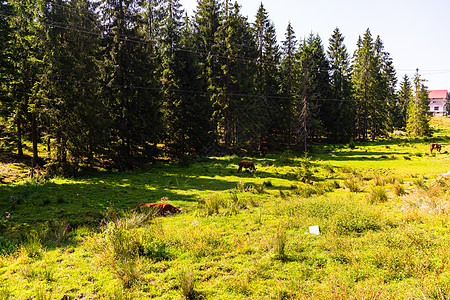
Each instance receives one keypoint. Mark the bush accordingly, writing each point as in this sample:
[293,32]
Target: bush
[350,219]
[305,173]
[6,246]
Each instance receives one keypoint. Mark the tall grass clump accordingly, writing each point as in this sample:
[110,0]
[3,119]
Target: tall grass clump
[352,184]
[33,247]
[5,293]
[377,194]
[398,189]
[280,241]
[432,199]
[187,281]
[121,244]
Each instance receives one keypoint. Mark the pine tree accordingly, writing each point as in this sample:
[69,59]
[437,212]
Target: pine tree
[207,23]
[72,114]
[6,67]
[131,92]
[235,106]
[313,87]
[28,28]
[364,82]
[338,112]
[404,95]
[418,120]
[267,79]
[289,51]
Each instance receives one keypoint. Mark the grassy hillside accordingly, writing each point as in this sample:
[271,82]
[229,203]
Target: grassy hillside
[382,209]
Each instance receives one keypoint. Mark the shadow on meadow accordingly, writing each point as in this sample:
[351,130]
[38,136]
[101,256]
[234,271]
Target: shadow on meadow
[90,200]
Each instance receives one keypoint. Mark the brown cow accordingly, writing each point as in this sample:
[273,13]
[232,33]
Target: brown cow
[161,208]
[435,146]
[246,164]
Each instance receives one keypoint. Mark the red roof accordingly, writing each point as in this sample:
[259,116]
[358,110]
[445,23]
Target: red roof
[438,94]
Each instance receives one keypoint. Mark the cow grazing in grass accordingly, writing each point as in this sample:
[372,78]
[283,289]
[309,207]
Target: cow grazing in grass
[161,209]
[246,164]
[435,146]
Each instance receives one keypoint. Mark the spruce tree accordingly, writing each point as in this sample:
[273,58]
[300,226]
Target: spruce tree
[289,51]
[235,105]
[364,82]
[313,87]
[186,109]
[207,23]
[27,56]
[385,90]
[267,79]
[401,105]
[6,67]
[130,92]
[418,120]
[338,112]
[72,115]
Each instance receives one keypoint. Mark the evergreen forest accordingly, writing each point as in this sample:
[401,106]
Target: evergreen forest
[125,81]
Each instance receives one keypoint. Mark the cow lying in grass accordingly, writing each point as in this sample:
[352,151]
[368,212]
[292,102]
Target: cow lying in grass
[435,146]
[246,164]
[160,209]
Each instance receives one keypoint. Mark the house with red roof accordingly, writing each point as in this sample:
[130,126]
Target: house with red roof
[438,102]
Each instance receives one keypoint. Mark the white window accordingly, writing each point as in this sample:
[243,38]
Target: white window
[436,108]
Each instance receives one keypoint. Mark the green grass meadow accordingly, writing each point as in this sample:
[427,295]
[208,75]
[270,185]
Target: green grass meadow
[382,209]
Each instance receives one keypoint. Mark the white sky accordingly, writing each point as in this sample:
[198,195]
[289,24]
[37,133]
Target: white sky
[416,33]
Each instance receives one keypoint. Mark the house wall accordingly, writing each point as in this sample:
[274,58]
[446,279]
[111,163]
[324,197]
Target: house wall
[437,107]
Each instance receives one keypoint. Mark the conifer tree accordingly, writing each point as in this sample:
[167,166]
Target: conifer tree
[154,15]
[236,108]
[338,112]
[131,91]
[195,109]
[186,109]
[364,82]
[6,69]
[267,79]
[418,121]
[27,24]
[72,115]
[385,90]
[207,23]
[401,105]
[289,51]
[313,87]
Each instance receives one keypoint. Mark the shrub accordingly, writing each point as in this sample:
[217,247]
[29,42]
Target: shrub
[352,218]
[305,173]
[6,246]
[286,158]
[351,145]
